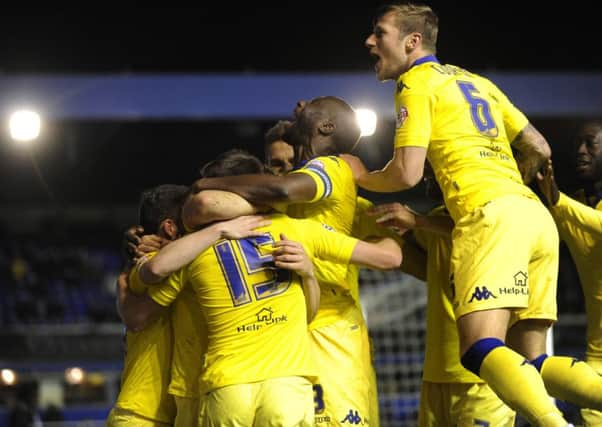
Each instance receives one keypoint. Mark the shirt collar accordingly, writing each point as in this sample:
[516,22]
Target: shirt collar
[302,163]
[424,59]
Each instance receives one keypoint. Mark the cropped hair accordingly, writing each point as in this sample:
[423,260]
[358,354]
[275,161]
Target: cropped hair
[233,162]
[414,17]
[160,203]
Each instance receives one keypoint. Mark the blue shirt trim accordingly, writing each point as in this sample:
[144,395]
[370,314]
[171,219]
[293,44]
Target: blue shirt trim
[424,59]
[302,163]
[325,180]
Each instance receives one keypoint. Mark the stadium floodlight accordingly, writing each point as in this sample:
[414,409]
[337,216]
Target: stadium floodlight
[367,121]
[75,375]
[8,376]
[24,125]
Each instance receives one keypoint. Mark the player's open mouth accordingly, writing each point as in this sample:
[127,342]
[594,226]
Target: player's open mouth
[376,60]
[582,164]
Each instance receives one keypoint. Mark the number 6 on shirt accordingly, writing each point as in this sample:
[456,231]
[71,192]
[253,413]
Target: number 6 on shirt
[479,110]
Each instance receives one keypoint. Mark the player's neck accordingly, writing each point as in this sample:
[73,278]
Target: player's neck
[593,192]
[598,191]
[306,154]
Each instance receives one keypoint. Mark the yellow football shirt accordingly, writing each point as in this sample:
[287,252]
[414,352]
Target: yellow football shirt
[256,315]
[466,123]
[580,226]
[145,376]
[442,359]
[190,333]
[334,206]
[364,226]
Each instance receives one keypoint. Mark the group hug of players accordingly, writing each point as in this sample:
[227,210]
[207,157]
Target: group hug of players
[242,305]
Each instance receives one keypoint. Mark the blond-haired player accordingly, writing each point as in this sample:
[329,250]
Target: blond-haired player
[505,247]
[450,394]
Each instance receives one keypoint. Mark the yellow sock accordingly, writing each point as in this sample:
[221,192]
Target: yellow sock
[519,385]
[572,380]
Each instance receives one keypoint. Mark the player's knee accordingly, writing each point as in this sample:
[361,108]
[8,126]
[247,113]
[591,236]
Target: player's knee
[474,356]
[538,361]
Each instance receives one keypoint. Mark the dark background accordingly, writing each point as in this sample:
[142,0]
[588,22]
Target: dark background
[65,199]
[290,36]
[105,163]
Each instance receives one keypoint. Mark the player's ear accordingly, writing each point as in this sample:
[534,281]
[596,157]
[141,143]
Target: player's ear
[169,228]
[413,40]
[327,127]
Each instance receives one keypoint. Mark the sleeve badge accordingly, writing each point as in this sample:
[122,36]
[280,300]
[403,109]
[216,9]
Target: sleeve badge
[401,117]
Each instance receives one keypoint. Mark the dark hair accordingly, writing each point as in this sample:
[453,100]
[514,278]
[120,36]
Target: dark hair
[595,123]
[160,203]
[233,162]
[275,133]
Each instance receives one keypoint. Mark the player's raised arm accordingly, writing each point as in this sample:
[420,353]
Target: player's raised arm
[263,189]
[381,254]
[208,206]
[182,251]
[403,171]
[402,218]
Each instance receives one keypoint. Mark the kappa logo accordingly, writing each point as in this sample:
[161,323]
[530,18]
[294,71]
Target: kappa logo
[402,116]
[400,86]
[327,227]
[353,418]
[481,294]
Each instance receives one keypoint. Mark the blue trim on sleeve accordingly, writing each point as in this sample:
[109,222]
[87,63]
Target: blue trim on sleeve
[474,356]
[325,179]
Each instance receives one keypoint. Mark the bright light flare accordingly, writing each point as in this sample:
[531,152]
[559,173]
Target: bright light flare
[8,376]
[75,375]
[367,120]
[24,125]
